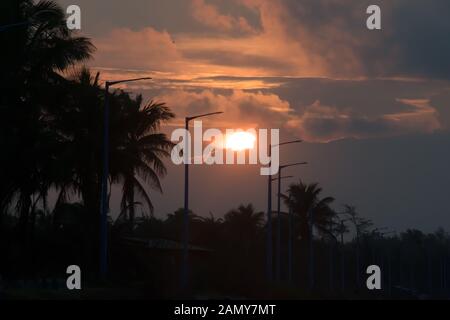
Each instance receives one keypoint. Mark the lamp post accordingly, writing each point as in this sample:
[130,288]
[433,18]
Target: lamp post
[290,260]
[342,253]
[311,248]
[331,258]
[290,233]
[269,247]
[184,271]
[104,205]
[278,265]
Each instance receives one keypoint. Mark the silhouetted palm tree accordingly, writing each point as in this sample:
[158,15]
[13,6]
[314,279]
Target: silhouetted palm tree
[175,224]
[245,218]
[38,50]
[305,198]
[138,150]
[43,44]
[211,220]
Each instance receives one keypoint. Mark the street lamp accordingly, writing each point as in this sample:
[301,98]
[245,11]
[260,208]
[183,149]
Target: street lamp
[290,232]
[278,265]
[104,205]
[269,249]
[331,258]
[290,260]
[342,231]
[184,271]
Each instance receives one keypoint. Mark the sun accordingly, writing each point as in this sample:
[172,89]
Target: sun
[240,141]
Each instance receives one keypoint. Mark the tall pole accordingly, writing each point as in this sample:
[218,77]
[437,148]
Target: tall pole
[278,238]
[278,270]
[444,274]
[390,273]
[331,256]
[289,229]
[311,249]
[185,262]
[357,262]
[429,271]
[269,253]
[185,271]
[269,245]
[104,206]
[290,245]
[104,203]
[342,257]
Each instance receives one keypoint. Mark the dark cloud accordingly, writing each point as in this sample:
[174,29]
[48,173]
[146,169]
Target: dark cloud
[332,128]
[174,16]
[328,37]
[419,31]
[413,41]
[363,97]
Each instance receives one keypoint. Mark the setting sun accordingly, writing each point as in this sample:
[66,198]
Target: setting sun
[240,141]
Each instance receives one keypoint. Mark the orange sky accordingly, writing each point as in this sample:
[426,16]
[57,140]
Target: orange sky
[373,107]
[249,57]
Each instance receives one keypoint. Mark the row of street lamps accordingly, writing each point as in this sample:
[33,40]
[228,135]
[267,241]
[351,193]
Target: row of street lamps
[104,205]
[185,263]
[269,244]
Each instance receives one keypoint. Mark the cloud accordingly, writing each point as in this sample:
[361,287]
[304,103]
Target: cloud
[314,60]
[321,38]
[266,52]
[144,49]
[412,43]
[242,109]
[209,15]
[316,122]
[321,123]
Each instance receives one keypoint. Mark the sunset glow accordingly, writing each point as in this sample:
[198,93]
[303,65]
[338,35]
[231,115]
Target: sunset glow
[240,141]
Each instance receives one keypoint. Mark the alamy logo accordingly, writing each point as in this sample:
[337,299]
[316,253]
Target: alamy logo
[240,147]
